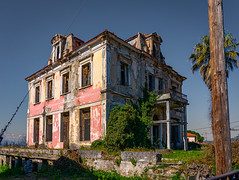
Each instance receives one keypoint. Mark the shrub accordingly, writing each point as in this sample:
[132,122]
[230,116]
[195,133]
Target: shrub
[129,125]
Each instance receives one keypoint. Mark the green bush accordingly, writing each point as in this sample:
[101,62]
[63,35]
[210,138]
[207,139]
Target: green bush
[129,125]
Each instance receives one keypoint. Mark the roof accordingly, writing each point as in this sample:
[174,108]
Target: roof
[102,33]
[191,135]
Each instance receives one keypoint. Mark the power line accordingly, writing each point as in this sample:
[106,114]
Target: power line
[14,114]
[210,127]
[81,7]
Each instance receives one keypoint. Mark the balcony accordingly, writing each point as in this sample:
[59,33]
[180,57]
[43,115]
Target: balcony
[169,94]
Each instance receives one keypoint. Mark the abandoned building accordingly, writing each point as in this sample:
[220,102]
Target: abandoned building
[70,99]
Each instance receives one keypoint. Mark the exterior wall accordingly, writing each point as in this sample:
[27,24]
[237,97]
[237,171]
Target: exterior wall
[72,102]
[191,139]
[105,91]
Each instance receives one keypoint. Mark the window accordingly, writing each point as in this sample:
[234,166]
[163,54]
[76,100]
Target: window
[85,124]
[124,74]
[37,93]
[64,135]
[86,75]
[49,89]
[36,130]
[65,83]
[160,84]
[151,82]
[49,128]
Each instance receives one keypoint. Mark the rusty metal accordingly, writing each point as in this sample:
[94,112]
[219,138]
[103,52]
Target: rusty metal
[231,176]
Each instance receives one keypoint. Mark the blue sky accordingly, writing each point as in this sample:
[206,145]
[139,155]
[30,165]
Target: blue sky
[27,26]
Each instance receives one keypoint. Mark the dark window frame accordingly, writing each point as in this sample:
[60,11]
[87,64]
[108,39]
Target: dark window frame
[36,120]
[151,79]
[65,85]
[86,79]
[37,94]
[49,128]
[85,124]
[124,74]
[49,90]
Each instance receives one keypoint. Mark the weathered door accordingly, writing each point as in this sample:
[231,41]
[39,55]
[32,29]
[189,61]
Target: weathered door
[65,129]
[36,131]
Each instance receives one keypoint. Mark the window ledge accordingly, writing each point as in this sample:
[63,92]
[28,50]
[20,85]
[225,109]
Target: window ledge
[48,99]
[36,103]
[65,93]
[86,87]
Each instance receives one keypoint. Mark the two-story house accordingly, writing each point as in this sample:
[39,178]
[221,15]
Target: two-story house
[70,99]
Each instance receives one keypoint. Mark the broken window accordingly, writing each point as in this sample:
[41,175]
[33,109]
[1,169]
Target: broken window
[49,128]
[36,130]
[37,94]
[65,83]
[85,124]
[86,75]
[151,82]
[124,74]
[49,89]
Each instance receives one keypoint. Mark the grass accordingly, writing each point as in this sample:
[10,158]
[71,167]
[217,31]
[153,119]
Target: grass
[185,156]
[6,172]
[51,172]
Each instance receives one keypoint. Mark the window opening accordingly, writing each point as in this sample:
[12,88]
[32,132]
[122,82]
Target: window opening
[124,74]
[65,129]
[37,94]
[85,124]
[160,84]
[86,75]
[49,128]
[36,130]
[49,89]
[65,83]
[151,82]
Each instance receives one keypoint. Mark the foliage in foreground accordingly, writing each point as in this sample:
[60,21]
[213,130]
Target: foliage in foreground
[56,173]
[129,125]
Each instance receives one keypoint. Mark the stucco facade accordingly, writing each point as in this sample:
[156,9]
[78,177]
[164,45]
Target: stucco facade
[70,99]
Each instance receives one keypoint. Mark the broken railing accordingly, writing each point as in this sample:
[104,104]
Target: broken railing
[172,92]
[231,175]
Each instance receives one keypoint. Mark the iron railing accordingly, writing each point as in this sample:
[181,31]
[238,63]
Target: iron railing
[231,175]
[171,91]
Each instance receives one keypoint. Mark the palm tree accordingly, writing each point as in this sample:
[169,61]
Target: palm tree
[200,59]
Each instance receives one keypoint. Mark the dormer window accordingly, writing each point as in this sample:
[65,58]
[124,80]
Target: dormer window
[56,51]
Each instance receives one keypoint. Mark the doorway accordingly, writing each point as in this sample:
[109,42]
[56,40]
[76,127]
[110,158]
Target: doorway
[65,129]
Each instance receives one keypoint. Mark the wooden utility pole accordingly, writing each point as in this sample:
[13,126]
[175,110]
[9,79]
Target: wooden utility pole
[221,128]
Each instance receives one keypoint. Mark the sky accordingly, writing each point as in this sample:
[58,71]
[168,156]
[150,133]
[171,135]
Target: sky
[27,26]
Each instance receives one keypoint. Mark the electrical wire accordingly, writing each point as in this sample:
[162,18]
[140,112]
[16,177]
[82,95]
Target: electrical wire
[81,7]
[210,127]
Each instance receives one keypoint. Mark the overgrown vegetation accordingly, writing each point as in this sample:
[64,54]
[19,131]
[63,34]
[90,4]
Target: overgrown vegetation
[129,125]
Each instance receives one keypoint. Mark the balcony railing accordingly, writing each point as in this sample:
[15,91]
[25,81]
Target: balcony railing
[172,92]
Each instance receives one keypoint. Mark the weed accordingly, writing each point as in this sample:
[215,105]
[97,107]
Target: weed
[118,161]
[133,161]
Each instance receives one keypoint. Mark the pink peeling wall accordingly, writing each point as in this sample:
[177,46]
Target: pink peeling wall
[85,96]
[95,124]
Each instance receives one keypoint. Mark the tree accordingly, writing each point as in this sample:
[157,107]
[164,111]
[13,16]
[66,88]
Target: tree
[200,58]
[199,137]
